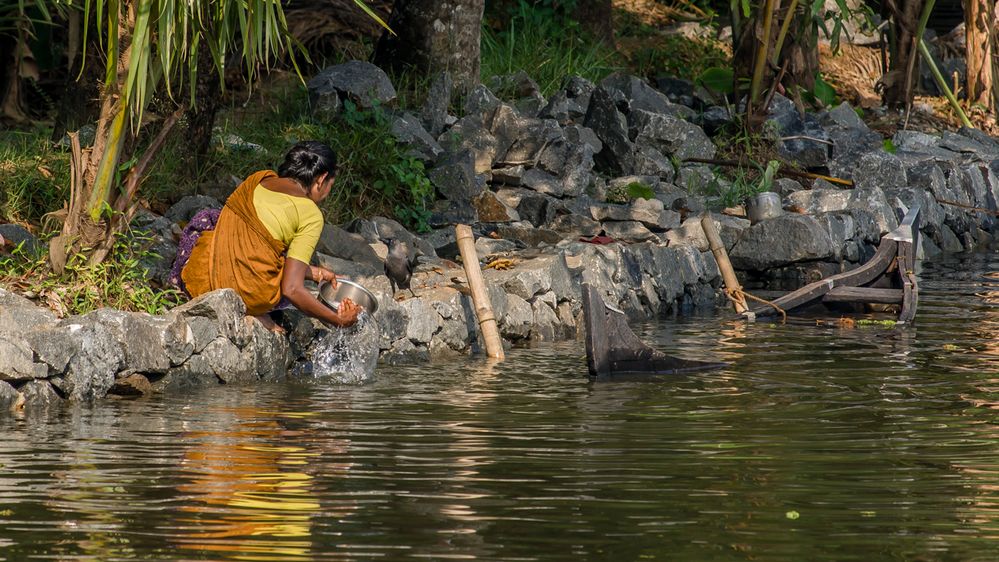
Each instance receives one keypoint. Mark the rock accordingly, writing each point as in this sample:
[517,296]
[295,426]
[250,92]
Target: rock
[569,104]
[184,210]
[38,395]
[690,232]
[226,309]
[781,241]
[532,237]
[160,245]
[628,231]
[696,178]
[488,246]
[423,320]
[16,360]
[339,243]
[509,175]
[573,225]
[642,97]
[271,353]
[131,385]
[481,101]
[491,209]
[648,160]
[151,344]
[611,128]
[97,358]
[583,135]
[537,209]
[516,323]
[670,135]
[194,373]
[408,130]
[19,236]
[361,82]
[815,201]
[542,182]
[649,212]
[404,352]
[454,177]
[450,213]
[18,314]
[469,134]
[806,143]
[880,170]
[537,276]
[377,229]
[10,399]
[571,162]
[873,200]
[434,112]
[714,118]
[786,186]
[545,322]
[230,364]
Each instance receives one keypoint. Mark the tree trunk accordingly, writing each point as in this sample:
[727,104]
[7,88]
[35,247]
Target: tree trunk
[434,36]
[201,117]
[595,17]
[978,23]
[897,85]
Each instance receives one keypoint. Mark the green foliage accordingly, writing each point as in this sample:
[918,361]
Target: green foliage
[34,177]
[678,55]
[119,282]
[742,184]
[629,192]
[718,79]
[889,146]
[377,176]
[549,49]
[822,94]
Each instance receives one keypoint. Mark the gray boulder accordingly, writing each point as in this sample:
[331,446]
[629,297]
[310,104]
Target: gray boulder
[669,134]
[97,357]
[358,81]
[611,127]
[226,309]
[780,241]
[454,177]
[569,104]
[10,398]
[39,395]
[17,360]
[434,112]
[17,235]
[18,314]
[339,243]
[184,210]
[408,130]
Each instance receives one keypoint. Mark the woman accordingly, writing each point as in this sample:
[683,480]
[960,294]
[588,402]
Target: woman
[263,239]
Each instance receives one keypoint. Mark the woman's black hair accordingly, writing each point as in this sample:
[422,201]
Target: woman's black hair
[306,161]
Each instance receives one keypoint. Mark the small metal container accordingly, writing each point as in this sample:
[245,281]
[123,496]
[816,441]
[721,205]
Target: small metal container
[763,206]
[347,290]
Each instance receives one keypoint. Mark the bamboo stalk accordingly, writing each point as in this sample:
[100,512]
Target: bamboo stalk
[923,50]
[732,286]
[480,297]
[762,54]
[784,27]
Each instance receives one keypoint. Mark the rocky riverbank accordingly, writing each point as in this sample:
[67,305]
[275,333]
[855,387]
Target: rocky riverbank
[539,178]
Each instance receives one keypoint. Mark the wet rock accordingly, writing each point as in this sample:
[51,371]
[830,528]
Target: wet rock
[38,395]
[10,398]
[404,352]
[18,314]
[780,241]
[19,236]
[17,360]
[272,353]
[434,112]
[358,81]
[196,372]
[131,385]
[670,135]
[491,209]
[226,309]
[408,130]
[545,322]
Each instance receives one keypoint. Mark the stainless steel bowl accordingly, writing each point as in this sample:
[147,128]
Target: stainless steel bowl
[347,290]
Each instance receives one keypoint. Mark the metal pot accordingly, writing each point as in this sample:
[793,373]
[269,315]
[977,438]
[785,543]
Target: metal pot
[763,206]
[347,290]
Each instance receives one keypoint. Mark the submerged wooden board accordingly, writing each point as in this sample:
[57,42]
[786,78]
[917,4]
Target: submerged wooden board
[613,348]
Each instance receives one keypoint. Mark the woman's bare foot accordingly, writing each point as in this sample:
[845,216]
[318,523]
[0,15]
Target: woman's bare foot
[270,324]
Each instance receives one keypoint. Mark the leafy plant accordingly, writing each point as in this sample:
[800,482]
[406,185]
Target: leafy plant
[629,192]
[678,55]
[119,282]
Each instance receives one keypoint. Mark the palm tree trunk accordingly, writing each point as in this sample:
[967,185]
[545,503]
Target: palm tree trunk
[978,25]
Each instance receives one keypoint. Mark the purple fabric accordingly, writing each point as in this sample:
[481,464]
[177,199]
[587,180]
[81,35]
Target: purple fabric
[204,220]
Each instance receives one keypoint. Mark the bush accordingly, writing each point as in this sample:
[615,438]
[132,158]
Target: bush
[34,176]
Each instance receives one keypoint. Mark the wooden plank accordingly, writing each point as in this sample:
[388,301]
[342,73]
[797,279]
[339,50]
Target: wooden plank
[864,295]
[597,342]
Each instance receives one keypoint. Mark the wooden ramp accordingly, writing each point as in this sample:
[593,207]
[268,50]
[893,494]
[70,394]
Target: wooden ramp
[888,278]
[612,348]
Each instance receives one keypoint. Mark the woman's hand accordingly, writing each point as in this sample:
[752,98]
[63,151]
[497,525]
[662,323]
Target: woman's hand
[320,274]
[348,312]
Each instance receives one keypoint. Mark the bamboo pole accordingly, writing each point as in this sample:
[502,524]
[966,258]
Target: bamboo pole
[732,286]
[480,297]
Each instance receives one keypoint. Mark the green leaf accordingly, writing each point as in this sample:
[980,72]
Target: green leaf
[637,190]
[824,92]
[889,146]
[717,79]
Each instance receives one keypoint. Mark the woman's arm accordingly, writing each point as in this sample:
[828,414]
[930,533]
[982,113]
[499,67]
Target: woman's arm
[293,288]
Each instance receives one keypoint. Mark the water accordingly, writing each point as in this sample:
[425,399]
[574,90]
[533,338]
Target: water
[346,356]
[818,442]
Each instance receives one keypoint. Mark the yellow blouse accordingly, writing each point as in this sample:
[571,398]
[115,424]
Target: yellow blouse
[296,221]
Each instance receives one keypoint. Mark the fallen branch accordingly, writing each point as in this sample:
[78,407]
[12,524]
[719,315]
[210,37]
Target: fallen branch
[786,171]
[969,207]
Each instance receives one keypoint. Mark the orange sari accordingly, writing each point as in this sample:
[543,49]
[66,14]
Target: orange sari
[239,254]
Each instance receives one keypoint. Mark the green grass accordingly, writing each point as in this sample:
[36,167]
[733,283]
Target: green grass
[34,176]
[676,55]
[547,49]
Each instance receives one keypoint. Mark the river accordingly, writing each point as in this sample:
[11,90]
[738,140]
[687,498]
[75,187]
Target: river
[819,441]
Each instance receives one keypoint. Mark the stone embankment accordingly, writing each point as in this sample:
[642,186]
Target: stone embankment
[535,177]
